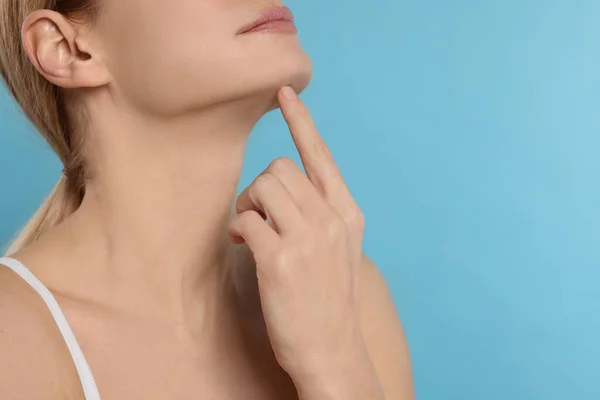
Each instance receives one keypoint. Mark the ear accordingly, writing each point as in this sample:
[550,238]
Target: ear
[61,52]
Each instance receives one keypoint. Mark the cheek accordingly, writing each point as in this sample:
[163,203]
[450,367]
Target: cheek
[169,64]
[153,50]
[179,74]
[162,70]
[219,67]
[172,76]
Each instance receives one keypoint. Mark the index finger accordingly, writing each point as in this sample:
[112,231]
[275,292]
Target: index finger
[316,157]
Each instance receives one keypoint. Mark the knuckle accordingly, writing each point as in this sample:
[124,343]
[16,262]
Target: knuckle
[263,180]
[334,227]
[323,150]
[355,217]
[281,164]
[246,218]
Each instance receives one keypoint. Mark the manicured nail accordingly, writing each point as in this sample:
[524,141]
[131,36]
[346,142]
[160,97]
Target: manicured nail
[288,92]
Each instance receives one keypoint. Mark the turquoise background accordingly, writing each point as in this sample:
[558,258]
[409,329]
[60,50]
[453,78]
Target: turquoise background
[469,133]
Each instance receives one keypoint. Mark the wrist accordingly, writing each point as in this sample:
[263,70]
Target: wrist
[347,377]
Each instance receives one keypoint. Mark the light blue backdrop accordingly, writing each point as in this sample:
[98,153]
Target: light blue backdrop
[469,133]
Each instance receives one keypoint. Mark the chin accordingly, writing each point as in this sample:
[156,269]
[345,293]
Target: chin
[258,84]
[294,68]
[251,82]
[272,61]
[296,72]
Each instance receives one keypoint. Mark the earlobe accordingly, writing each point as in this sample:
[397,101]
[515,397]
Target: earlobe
[51,42]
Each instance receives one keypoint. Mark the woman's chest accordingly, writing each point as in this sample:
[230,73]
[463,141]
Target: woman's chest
[176,383]
[138,363]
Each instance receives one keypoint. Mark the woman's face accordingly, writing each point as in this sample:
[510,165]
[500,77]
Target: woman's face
[175,55]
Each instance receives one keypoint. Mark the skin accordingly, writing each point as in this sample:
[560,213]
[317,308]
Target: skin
[174,286]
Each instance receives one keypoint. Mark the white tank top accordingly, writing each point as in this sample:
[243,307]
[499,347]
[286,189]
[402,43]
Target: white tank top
[88,383]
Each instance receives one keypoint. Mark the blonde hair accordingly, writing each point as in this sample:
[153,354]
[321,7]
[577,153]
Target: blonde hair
[44,105]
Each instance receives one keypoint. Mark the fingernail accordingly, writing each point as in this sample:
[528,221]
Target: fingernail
[288,92]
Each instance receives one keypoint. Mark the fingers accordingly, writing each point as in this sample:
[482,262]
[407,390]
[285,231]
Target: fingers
[249,227]
[304,193]
[316,157]
[318,161]
[270,199]
[288,198]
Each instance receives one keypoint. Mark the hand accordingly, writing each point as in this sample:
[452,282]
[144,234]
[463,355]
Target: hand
[307,255]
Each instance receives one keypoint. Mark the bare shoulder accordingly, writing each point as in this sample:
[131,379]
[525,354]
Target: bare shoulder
[384,334]
[34,360]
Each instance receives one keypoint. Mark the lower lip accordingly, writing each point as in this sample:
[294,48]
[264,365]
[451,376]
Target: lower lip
[275,26]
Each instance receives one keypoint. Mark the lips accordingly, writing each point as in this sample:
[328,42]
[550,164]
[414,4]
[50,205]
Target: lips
[270,16]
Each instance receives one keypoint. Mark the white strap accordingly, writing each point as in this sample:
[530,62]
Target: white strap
[83,369]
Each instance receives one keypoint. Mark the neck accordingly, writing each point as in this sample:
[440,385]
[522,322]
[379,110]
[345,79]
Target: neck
[161,191]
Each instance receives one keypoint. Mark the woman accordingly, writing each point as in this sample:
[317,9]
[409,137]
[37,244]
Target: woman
[144,276]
